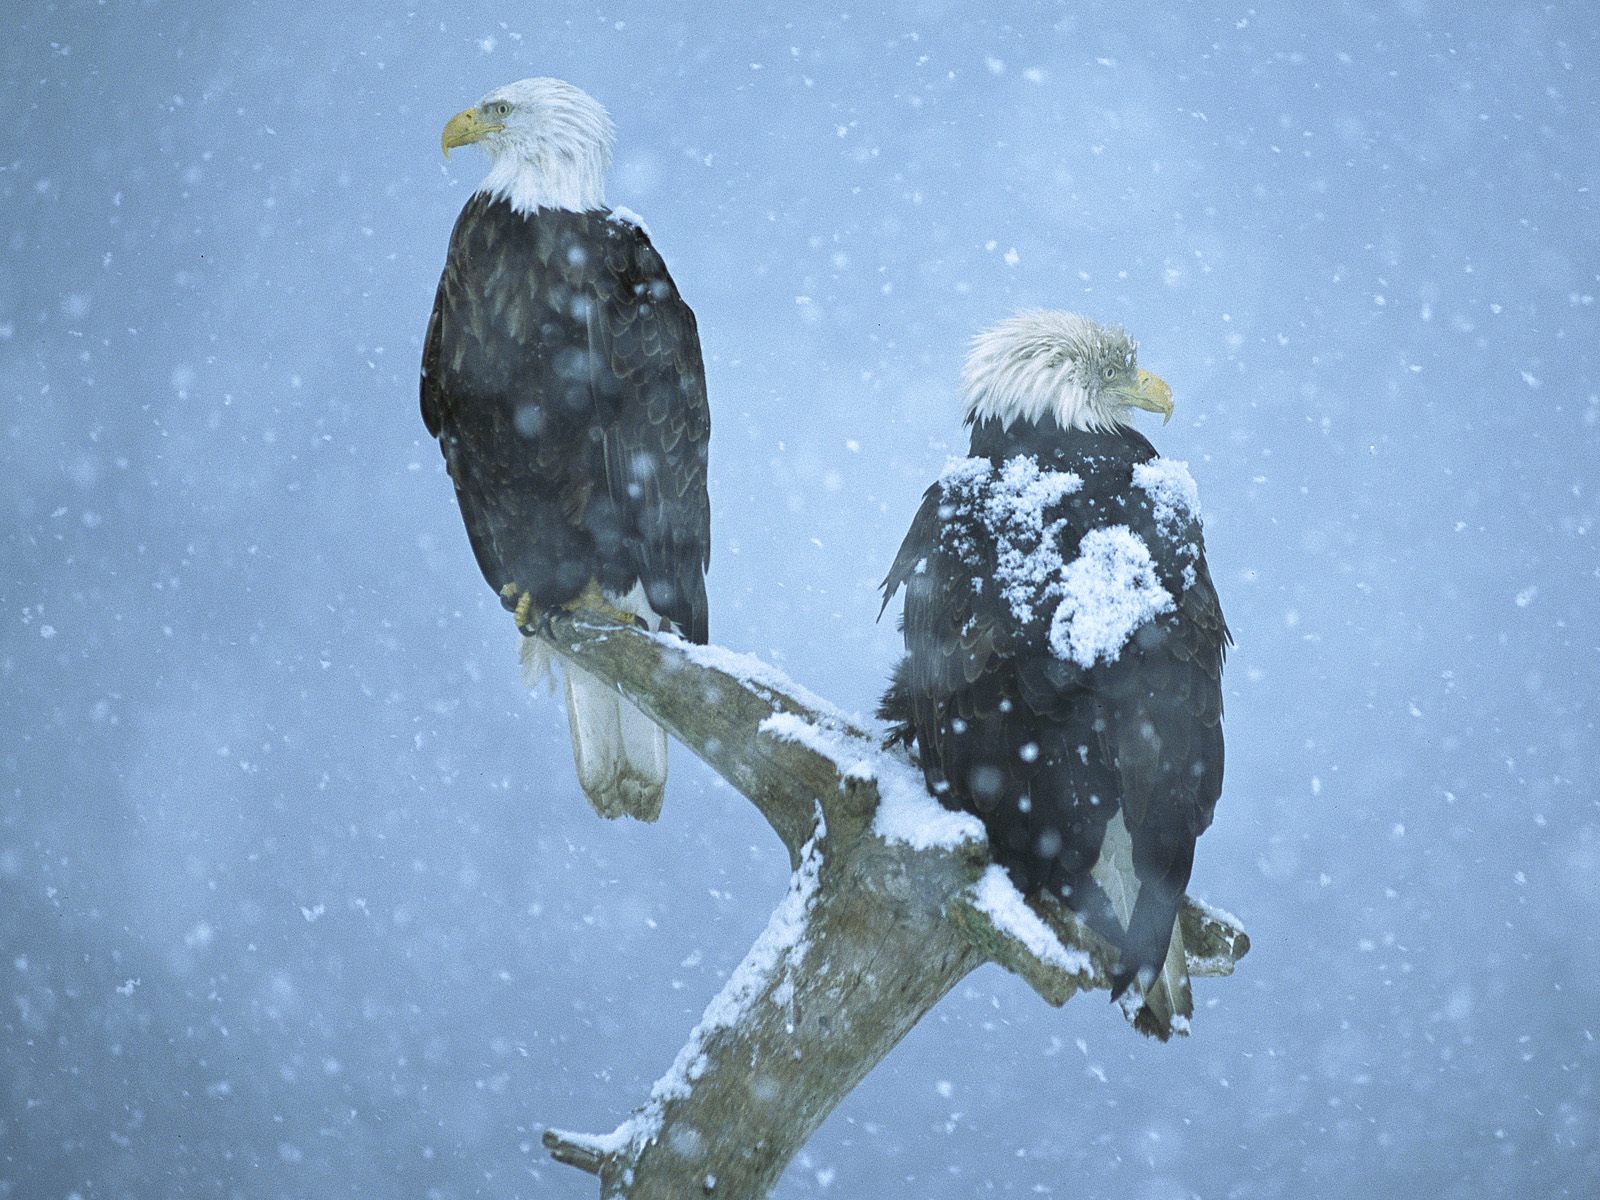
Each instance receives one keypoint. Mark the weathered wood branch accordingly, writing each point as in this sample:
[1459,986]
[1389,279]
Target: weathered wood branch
[891,903]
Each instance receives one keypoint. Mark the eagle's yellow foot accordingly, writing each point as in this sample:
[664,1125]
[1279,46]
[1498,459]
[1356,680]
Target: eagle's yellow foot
[520,604]
[592,600]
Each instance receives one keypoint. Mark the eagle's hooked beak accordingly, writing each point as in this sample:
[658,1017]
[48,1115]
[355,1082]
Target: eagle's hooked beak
[1152,394]
[464,128]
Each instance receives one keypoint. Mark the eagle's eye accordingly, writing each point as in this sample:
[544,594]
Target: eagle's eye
[500,108]
[1110,372]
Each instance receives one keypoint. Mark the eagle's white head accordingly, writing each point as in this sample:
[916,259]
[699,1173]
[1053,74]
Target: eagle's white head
[549,144]
[1059,365]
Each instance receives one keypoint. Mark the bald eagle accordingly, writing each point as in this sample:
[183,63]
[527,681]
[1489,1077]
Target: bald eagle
[562,375]
[1063,674]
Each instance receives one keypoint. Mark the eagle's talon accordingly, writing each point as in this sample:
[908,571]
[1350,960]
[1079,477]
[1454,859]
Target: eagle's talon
[593,601]
[530,623]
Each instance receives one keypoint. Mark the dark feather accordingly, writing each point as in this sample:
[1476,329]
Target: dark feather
[562,376]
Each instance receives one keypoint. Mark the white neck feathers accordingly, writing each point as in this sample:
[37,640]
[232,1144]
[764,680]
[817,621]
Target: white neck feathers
[576,184]
[552,150]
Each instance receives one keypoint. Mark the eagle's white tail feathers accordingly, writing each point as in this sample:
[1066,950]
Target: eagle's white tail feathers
[621,754]
[1167,1001]
[538,664]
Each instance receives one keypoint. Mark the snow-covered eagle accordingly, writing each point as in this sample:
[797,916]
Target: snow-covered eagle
[1063,675]
[562,376]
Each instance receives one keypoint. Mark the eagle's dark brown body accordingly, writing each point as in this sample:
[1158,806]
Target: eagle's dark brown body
[562,376]
[1047,751]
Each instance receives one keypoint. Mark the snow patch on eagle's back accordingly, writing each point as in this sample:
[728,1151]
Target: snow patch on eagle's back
[962,471]
[1175,505]
[1107,593]
[626,216]
[1174,495]
[1011,504]
[1092,604]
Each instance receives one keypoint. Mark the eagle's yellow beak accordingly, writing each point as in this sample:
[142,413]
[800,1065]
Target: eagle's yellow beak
[464,128]
[1152,394]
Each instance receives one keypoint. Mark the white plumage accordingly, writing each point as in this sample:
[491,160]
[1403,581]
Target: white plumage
[621,754]
[553,147]
[1032,365]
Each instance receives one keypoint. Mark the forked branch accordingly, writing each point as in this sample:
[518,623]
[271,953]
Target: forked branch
[891,903]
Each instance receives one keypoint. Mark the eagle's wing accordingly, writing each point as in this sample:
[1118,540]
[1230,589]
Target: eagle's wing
[562,375]
[432,400]
[1161,704]
[438,397]
[644,344]
[953,634]
[952,628]
[996,731]
[1170,674]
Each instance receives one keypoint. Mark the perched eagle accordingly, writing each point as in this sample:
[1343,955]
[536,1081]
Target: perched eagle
[562,376]
[1063,675]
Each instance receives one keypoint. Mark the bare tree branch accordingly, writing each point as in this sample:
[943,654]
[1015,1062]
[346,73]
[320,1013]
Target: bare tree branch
[892,901]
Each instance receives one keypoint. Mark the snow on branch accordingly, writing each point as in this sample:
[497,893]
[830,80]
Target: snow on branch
[892,901]
[767,970]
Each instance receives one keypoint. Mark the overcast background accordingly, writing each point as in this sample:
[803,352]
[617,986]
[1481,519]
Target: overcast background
[298,894]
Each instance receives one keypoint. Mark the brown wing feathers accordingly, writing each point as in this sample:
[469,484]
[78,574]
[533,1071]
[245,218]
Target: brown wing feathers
[562,374]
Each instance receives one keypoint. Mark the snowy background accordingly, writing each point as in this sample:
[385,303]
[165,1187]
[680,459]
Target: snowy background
[298,895]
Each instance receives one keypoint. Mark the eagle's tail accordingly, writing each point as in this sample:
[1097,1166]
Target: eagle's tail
[621,754]
[1152,986]
[1168,1001]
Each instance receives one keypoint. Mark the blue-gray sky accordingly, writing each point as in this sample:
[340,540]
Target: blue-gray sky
[298,895]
